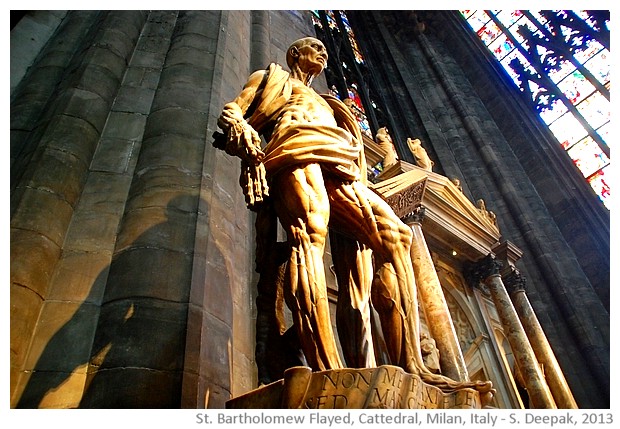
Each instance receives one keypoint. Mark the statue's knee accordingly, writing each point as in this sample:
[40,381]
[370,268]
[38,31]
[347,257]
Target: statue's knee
[317,228]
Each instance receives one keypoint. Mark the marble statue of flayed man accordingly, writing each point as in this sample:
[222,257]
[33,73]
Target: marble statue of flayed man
[312,175]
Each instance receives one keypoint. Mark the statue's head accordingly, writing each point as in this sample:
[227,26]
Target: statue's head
[307,53]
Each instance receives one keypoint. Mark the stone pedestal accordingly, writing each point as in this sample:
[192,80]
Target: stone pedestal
[384,387]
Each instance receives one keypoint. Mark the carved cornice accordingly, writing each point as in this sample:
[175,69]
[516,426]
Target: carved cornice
[452,222]
[403,192]
[405,203]
[514,281]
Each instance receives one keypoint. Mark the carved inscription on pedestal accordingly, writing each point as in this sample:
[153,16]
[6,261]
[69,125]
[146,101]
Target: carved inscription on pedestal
[385,387]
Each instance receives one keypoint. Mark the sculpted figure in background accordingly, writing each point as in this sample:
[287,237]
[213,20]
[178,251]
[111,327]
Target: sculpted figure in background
[312,172]
[430,353]
[384,140]
[482,207]
[419,154]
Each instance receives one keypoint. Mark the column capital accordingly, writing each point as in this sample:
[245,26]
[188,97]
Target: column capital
[417,216]
[514,281]
[477,272]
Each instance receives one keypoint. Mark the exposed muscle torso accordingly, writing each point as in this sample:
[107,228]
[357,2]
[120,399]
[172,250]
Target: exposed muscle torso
[306,107]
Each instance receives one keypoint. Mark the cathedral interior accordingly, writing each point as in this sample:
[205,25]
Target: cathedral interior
[133,281]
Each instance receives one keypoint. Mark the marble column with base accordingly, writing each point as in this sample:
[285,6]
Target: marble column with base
[516,286]
[434,303]
[487,271]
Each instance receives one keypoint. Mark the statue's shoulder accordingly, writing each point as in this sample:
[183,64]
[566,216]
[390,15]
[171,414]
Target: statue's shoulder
[275,71]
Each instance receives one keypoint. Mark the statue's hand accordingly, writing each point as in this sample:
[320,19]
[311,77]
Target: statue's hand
[241,139]
[244,142]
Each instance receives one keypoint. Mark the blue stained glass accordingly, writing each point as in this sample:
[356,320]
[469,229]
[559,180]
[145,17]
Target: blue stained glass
[526,64]
[536,14]
[506,64]
[501,46]
[527,23]
[584,15]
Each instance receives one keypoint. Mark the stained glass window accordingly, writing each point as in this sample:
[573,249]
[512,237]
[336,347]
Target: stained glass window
[345,76]
[559,60]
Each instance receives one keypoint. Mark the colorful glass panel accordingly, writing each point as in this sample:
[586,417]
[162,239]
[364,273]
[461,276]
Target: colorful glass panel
[604,132]
[501,47]
[576,87]
[568,130]
[542,20]
[356,50]
[599,183]
[587,51]
[588,156]
[561,65]
[516,77]
[524,22]
[584,15]
[489,32]
[478,19]
[565,68]
[509,17]
[331,20]
[599,66]
[595,109]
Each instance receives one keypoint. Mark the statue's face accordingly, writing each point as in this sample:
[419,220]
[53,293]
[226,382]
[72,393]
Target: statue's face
[312,56]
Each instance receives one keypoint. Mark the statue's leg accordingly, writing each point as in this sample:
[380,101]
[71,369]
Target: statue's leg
[354,272]
[303,208]
[386,301]
[358,211]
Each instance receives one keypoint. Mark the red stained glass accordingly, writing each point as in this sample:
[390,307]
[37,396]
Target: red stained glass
[600,184]
[489,32]
[501,47]
[478,19]
[588,156]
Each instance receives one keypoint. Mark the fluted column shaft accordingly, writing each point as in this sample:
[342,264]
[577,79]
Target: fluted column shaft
[434,304]
[562,394]
[487,271]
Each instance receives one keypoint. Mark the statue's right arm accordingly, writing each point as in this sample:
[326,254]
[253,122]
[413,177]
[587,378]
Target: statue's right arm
[234,111]
[242,139]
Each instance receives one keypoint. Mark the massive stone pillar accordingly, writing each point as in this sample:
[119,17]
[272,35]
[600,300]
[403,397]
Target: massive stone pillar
[51,169]
[434,304]
[146,337]
[515,284]
[487,271]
